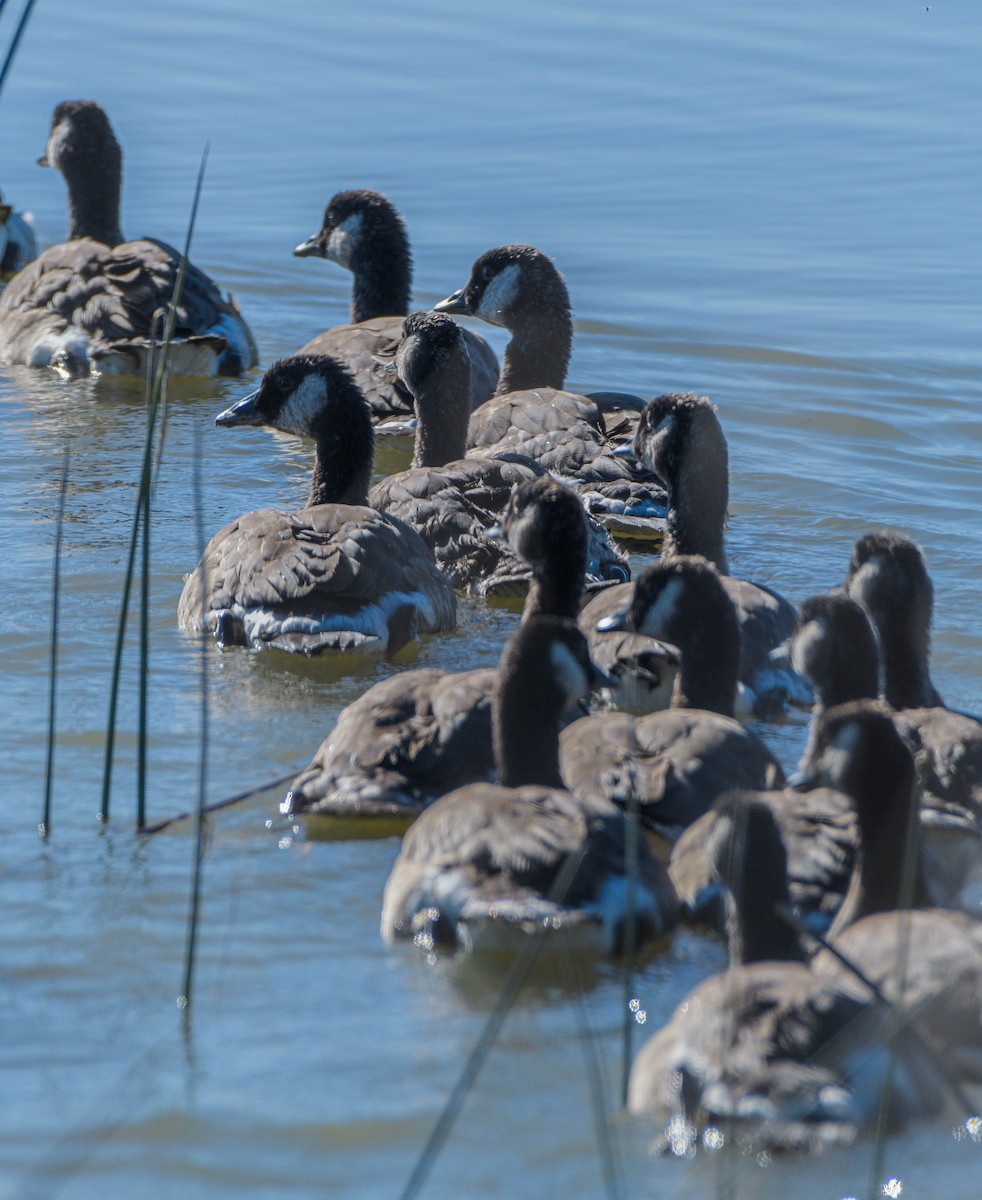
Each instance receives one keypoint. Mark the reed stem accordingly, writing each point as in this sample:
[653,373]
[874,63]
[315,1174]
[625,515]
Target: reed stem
[157,375]
[184,999]
[45,827]
[18,34]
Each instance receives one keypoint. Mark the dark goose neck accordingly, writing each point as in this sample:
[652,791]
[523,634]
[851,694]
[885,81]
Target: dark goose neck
[538,354]
[442,406]
[682,601]
[748,856]
[697,501]
[383,271]
[527,709]
[94,175]
[345,444]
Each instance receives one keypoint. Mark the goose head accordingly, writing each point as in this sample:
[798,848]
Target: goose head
[834,648]
[82,146]
[314,396]
[888,576]
[509,285]
[682,601]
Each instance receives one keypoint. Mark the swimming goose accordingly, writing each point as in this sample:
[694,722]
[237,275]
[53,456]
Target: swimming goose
[675,763]
[681,442]
[486,858]
[834,649]
[889,578]
[452,501]
[410,739]
[363,232]
[543,520]
[335,576]
[94,303]
[773,1053]
[927,961]
[17,242]
[519,288]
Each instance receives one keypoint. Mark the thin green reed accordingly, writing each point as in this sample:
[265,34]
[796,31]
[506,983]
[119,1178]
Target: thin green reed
[18,34]
[45,827]
[141,513]
[630,932]
[482,1048]
[184,999]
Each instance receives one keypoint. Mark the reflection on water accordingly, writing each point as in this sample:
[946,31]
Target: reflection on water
[774,205]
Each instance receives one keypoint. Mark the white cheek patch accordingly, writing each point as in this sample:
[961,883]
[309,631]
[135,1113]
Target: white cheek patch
[569,673]
[499,295]
[57,139]
[806,648]
[659,615]
[343,242]
[863,582]
[303,406]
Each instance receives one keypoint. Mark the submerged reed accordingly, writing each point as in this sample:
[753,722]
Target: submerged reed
[45,827]
[184,999]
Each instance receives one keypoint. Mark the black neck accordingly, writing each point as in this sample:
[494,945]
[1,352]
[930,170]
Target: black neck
[907,675]
[526,721]
[93,205]
[889,874]
[383,278]
[709,668]
[697,502]
[343,463]
[557,587]
[442,413]
[538,354]
[755,931]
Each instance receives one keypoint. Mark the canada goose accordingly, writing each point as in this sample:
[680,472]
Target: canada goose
[675,763]
[889,578]
[17,242]
[488,857]
[834,648]
[928,961]
[543,520]
[519,288]
[770,1051]
[681,442]
[337,575]
[95,302]
[363,232]
[410,739]
[452,501]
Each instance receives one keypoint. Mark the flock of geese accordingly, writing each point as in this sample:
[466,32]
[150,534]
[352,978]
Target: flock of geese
[854,988]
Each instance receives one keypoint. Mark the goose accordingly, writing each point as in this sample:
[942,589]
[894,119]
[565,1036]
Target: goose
[17,242]
[675,763]
[681,442]
[363,232]
[488,858]
[833,647]
[774,1053]
[928,961]
[888,576]
[451,500]
[411,738]
[96,302]
[337,575]
[519,287]
[542,521]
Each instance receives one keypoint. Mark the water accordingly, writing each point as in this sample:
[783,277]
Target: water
[774,204]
